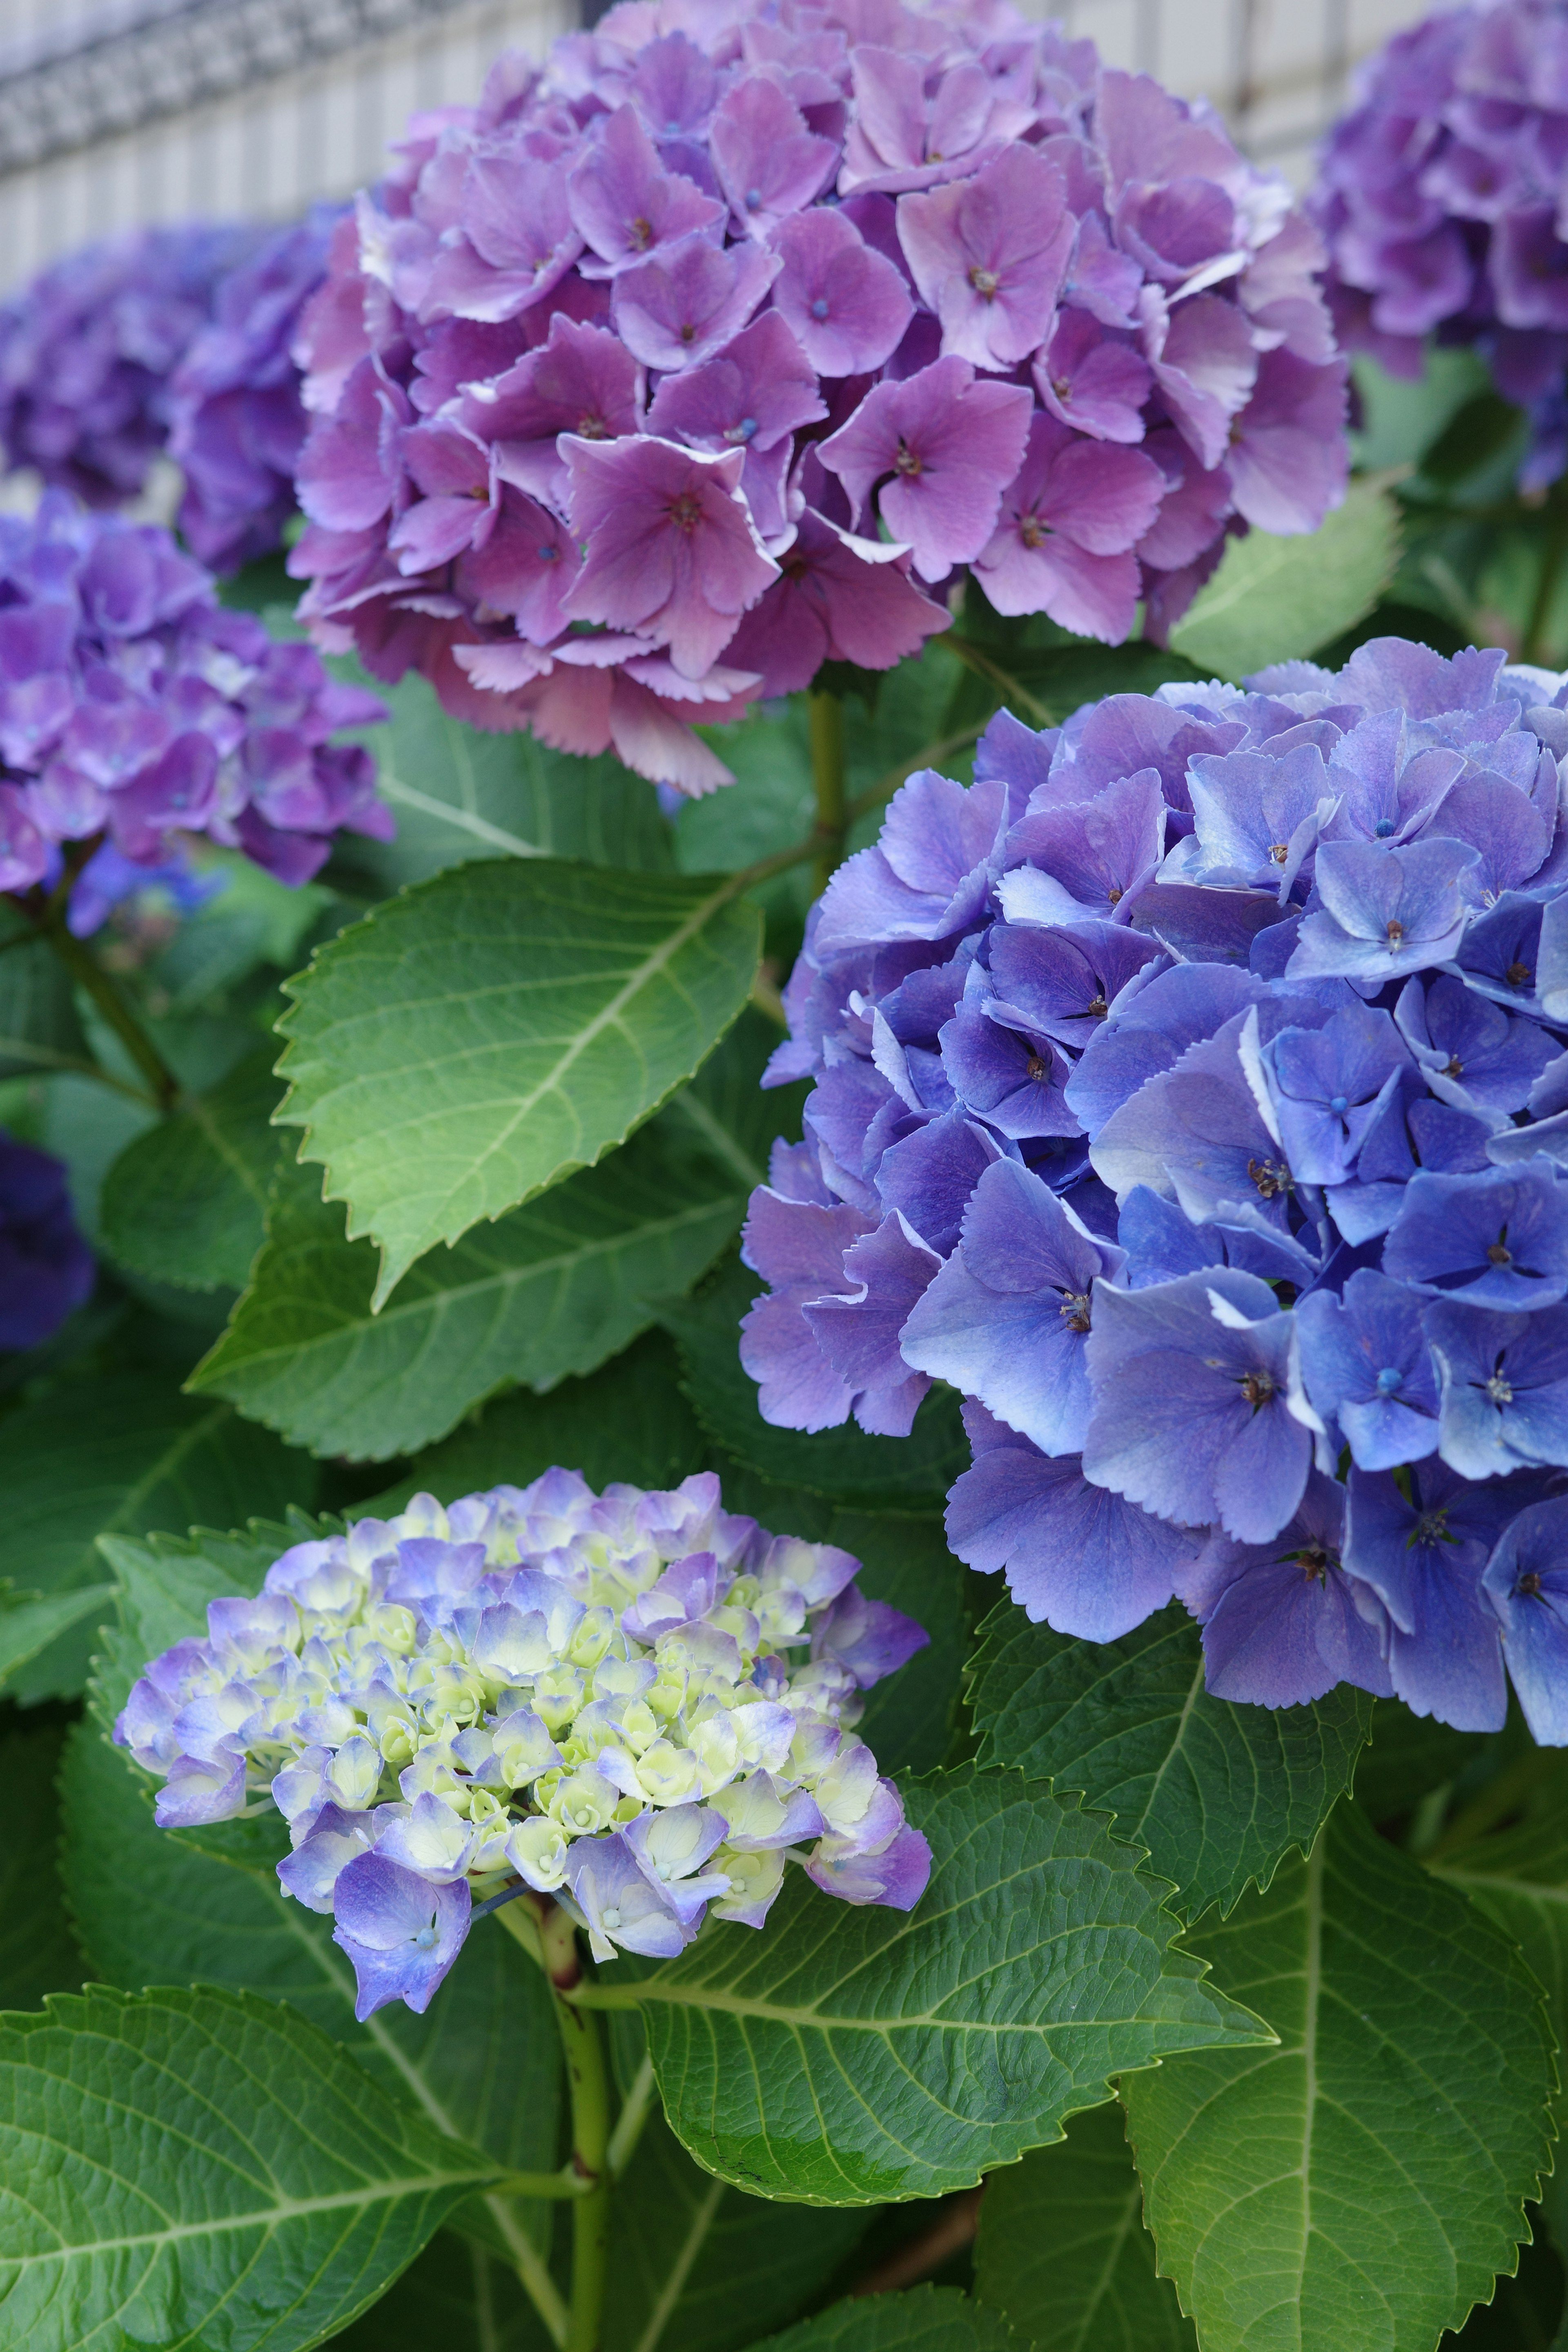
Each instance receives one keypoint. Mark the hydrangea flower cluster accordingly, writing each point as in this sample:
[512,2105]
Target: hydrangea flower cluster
[1192,1094]
[87,350]
[45,1267]
[592,1697]
[1440,196]
[236,421]
[134,709]
[721,346]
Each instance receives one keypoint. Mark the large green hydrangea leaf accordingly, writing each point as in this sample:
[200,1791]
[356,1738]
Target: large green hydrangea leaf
[175,2162]
[1216,1793]
[846,2056]
[1356,2188]
[490,1031]
[1063,2254]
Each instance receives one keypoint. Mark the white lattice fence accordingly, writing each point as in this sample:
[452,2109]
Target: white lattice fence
[1277,67]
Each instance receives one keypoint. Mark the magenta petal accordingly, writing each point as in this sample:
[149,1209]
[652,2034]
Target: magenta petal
[846,306]
[988,256]
[684,305]
[769,164]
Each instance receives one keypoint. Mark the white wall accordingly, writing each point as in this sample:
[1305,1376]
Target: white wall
[1277,67]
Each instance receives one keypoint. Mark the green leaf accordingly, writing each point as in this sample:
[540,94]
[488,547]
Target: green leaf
[1063,2254]
[116,1455]
[31,1622]
[1519,1876]
[549,1291]
[701,2268]
[879,1474]
[1361,2183]
[1216,1793]
[186,1201]
[493,1029]
[39,1952]
[39,1029]
[1409,1755]
[174,2162]
[1276,600]
[629,1420]
[460,794]
[925,2319]
[1048,683]
[853,2056]
[456,2295]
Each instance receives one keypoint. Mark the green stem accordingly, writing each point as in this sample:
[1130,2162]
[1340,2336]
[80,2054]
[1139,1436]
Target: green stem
[630,2121]
[824,715]
[89,974]
[587,2076]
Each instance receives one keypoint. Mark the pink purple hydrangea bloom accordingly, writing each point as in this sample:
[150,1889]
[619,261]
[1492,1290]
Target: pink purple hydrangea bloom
[1441,196]
[638,1703]
[135,710]
[45,1267]
[236,421]
[1191,1094]
[721,347]
[87,350]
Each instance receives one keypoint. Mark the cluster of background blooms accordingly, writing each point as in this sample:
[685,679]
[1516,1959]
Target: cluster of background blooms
[1190,1095]
[171,338]
[88,348]
[592,1694]
[715,349]
[237,420]
[1441,198]
[134,709]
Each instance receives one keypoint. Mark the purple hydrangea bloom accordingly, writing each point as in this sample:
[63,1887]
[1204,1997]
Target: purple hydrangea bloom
[45,1267]
[1439,198]
[88,351]
[134,710]
[1207,1192]
[933,292]
[237,420]
[652,1712]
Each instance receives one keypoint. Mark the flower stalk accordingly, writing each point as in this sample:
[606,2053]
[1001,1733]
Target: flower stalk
[587,2077]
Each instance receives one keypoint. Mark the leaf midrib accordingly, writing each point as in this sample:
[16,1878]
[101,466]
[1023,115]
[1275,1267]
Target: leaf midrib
[437,1302]
[267,2217]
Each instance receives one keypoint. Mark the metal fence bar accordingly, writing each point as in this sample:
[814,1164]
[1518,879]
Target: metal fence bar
[127,78]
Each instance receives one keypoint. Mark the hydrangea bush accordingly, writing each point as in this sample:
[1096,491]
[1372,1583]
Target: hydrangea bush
[237,418]
[1070,1139]
[712,353]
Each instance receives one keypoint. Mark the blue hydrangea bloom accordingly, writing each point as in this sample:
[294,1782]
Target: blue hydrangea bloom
[1191,1092]
[45,1267]
[638,1705]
